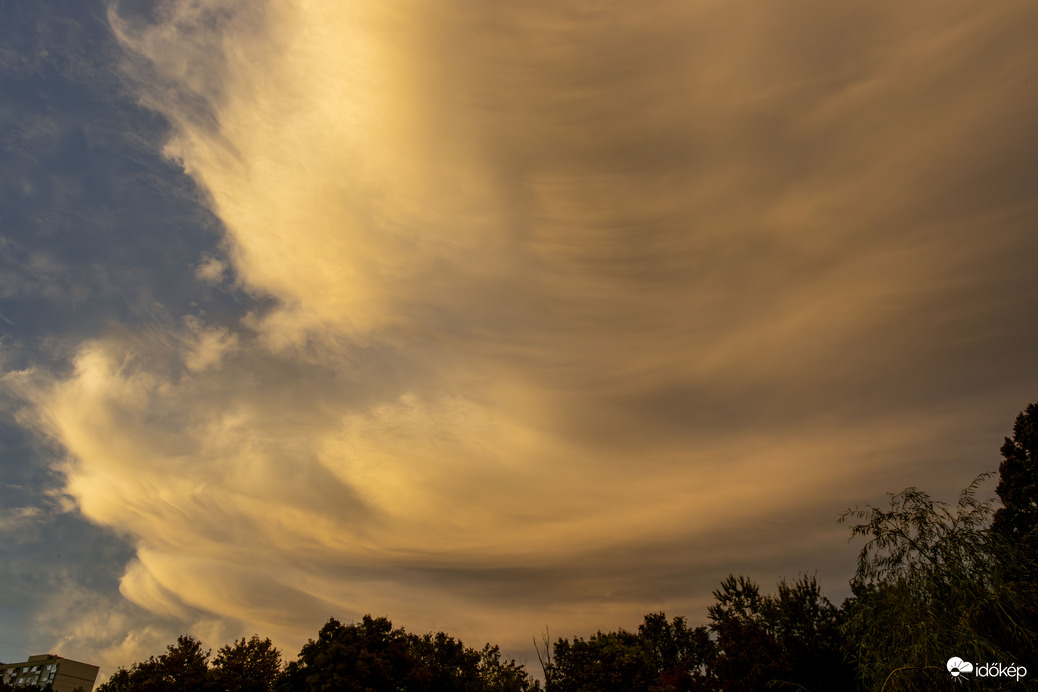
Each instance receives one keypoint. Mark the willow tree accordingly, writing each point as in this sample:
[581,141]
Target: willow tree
[931,583]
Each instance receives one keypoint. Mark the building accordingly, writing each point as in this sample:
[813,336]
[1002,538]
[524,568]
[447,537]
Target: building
[62,674]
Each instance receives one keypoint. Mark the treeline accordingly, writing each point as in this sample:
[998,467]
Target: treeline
[933,582]
[369,655]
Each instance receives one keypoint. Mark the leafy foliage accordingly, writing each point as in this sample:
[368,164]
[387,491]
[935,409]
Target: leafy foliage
[251,665]
[748,657]
[738,598]
[679,653]
[497,675]
[184,666]
[612,662]
[931,580]
[1017,520]
[791,639]
[371,656]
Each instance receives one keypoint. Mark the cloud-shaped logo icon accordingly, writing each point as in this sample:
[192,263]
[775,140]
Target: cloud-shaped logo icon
[956,666]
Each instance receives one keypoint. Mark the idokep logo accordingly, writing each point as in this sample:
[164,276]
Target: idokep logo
[957,667]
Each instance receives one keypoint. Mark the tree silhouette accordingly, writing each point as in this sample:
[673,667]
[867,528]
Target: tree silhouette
[679,654]
[931,583]
[497,675]
[738,597]
[183,668]
[371,656]
[807,627]
[605,662]
[1017,520]
[791,639]
[747,658]
[251,665]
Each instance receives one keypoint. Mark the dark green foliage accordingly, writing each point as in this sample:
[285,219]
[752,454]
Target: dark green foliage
[748,657]
[251,665]
[184,667]
[1017,520]
[442,663]
[679,654]
[120,681]
[789,640]
[738,597]
[496,675]
[614,662]
[930,583]
[807,627]
[663,656]
[371,656]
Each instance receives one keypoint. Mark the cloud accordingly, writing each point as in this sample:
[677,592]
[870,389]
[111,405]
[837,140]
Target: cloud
[565,307]
[209,345]
[210,270]
[18,518]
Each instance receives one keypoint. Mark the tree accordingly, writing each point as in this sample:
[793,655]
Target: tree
[443,664]
[183,668]
[605,662]
[931,583]
[663,656]
[748,657]
[679,654]
[120,681]
[806,626]
[185,665]
[251,665]
[368,656]
[1017,520]
[791,639]
[738,597]
[497,675]
[371,656]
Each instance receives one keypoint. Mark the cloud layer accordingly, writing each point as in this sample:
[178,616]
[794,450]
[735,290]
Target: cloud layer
[570,310]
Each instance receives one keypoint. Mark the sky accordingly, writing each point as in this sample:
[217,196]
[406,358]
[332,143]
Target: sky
[491,317]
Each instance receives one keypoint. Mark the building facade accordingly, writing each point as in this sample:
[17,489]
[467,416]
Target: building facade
[62,674]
